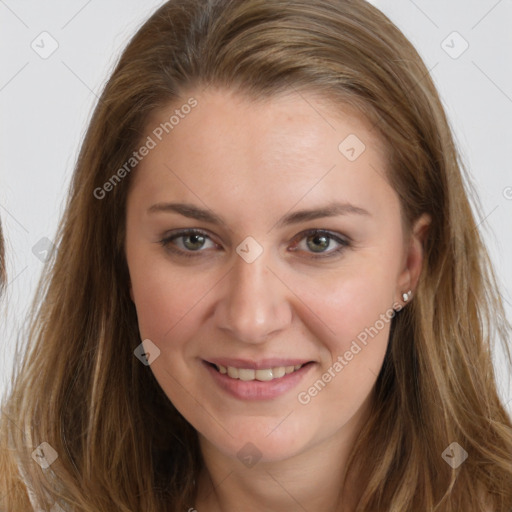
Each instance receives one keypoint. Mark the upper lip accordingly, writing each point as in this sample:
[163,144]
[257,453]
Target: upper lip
[256,365]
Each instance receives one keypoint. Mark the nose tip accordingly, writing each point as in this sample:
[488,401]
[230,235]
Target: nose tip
[253,303]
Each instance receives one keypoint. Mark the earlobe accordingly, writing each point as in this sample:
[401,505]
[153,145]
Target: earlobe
[413,259]
[407,295]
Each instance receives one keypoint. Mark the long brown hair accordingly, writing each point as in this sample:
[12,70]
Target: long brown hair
[121,444]
[3,276]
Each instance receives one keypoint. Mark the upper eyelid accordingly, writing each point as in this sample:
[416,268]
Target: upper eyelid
[188,231]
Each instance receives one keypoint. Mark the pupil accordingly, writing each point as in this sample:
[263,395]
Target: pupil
[196,240]
[323,240]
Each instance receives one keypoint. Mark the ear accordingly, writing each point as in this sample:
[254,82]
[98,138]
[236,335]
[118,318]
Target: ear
[412,259]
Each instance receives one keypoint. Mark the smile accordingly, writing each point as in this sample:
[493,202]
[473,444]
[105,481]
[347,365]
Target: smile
[263,374]
[262,380]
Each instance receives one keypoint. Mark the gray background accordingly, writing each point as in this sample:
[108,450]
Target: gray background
[46,101]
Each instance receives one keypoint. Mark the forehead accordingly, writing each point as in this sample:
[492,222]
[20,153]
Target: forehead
[276,151]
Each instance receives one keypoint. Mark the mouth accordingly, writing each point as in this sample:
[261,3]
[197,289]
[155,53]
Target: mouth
[260,374]
[265,379]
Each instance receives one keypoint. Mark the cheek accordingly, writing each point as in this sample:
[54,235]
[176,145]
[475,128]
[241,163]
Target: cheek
[356,313]
[352,303]
[165,297]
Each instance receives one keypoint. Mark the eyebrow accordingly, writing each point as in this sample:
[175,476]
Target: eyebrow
[194,212]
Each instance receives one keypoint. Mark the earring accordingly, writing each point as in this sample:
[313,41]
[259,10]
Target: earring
[407,296]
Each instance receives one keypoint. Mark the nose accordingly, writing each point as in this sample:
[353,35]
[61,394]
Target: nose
[253,304]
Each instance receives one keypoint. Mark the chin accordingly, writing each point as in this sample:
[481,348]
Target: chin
[264,439]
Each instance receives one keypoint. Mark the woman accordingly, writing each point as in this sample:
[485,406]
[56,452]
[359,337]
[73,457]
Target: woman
[270,292]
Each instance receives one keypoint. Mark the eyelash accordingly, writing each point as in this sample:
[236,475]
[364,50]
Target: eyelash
[344,242]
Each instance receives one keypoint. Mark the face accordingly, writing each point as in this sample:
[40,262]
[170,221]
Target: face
[265,260]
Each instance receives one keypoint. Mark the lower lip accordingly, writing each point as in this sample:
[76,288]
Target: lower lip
[255,389]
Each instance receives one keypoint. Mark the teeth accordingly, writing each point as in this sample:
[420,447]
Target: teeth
[244,374]
[279,372]
[266,374]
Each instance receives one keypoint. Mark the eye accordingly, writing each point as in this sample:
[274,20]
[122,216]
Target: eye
[318,241]
[191,242]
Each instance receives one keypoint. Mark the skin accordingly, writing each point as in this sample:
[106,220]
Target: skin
[253,163]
